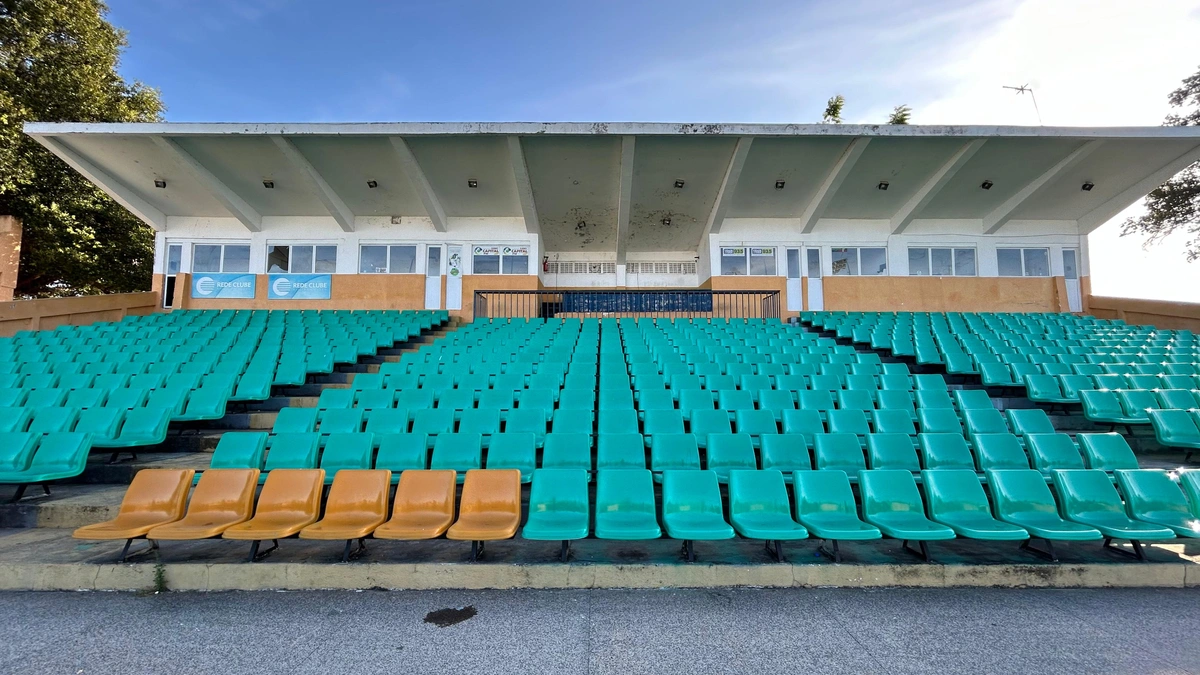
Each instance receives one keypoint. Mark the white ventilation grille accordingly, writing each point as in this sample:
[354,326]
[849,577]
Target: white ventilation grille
[566,267]
[661,268]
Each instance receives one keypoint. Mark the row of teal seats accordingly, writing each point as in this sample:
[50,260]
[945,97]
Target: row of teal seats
[29,458]
[182,404]
[1177,429]
[108,427]
[1065,389]
[1127,407]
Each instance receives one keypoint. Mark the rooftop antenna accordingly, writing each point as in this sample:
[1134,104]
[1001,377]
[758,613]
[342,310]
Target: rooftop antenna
[1026,89]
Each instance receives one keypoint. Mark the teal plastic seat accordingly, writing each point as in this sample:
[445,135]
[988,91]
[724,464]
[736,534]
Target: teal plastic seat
[674,452]
[1047,389]
[804,423]
[1106,452]
[12,397]
[1189,482]
[625,506]
[785,453]
[984,421]
[1088,496]
[558,507]
[173,399]
[1104,407]
[104,424]
[620,451]
[825,506]
[85,399]
[432,422]
[458,452]
[841,452]
[939,421]
[847,422]
[387,421]
[131,397]
[972,399]
[618,421]
[1176,429]
[58,455]
[335,398]
[1053,451]
[572,421]
[542,399]
[295,421]
[705,422]
[776,402]
[956,499]
[457,400]
[567,451]
[240,450]
[891,502]
[513,451]
[400,452]
[1029,421]
[692,508]
[728,452]
[661,422]
[1022,497]
[577,399]
[483,421]
[1152,497]
[341,421]
[893,422]
[141,426]
[205,403]
[347,451]
[16,450]
[945,451]
[892,451]
[755,423]
[1177,399]
[856,399]
[292,451]
[46,398]
[933,399]
[999,452]
[759,508]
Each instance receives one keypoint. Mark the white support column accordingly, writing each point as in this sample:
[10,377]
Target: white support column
[1000,216]
[233,202]
[913,207]
[829,187]
[433,206]
[1101,214]
[121,193]
[524,188]
[333,203]
[733,172]
[624,196]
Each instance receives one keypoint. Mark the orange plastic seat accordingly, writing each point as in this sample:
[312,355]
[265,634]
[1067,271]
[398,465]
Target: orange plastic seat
[154,497]
[424,506]
[222,498]
[490,508]
[358,502]
[290,501]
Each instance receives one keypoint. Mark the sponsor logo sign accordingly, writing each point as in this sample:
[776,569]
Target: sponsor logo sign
[299,286]
[222,286]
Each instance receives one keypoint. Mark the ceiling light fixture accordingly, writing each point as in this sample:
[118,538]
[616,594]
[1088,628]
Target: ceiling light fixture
[372,184]
[779,185]
[472,183]
[678,183]
[1087,186]
[160,183]
[883,185]
[269,184]
[986,185]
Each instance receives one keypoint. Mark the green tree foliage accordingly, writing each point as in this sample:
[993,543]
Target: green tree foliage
[1174,206]
[833,110]
[901,114]
[58,63]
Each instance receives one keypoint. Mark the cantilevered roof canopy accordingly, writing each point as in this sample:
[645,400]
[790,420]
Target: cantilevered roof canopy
[608,187]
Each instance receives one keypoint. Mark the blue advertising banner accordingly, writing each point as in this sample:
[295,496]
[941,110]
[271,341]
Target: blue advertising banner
[299,286]
[223,286]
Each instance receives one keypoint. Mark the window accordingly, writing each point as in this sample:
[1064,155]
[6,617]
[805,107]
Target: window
[217,258]
[754,261]
[303,259]
[500,260]
[859,261]
[941,262]
[378,259]
[1023,262]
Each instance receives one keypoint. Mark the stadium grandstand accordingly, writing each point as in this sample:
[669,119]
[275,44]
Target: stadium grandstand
[743,343]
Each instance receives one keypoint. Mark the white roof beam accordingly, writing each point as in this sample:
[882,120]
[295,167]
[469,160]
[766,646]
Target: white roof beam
[624,196]
[833,180]
[733,173]
[333,203]
[412,168]
[232,202]
[1103,213]
[1000,216]
[914,206]
[120,193]
[524,188]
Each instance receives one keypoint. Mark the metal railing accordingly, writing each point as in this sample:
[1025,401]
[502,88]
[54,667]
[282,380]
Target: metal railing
[627,303]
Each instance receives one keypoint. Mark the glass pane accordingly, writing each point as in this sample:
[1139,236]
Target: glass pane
[326,262]
[873,261]
[302,260]
[174,256]
[1008,262]
[1037,262]
[372,260]
[762,261]
[433,261]
[918,262]
[793,263]
[237,259]
[516,264]
[206,258]
[486,264]
[277,259]
[845,261]
[733,261]
[1069,269]
[814,263]
[404,260]
[964,262]
[940,262]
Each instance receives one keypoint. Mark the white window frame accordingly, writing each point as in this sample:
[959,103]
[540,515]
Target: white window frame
[1024,272]
[748,252]
[953,260]
[300,244]
[887,267]
[500,258]
[191,263]
[416,266]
